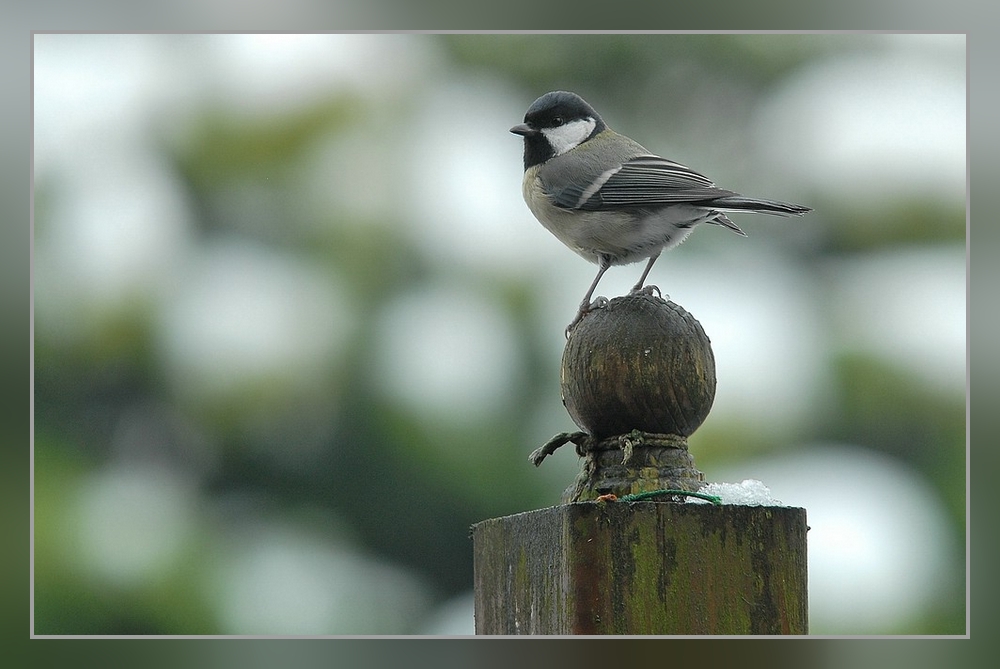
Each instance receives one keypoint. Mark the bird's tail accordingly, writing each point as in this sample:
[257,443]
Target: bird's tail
[740,203]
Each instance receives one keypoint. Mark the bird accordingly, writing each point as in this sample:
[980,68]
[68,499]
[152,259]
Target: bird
[611,200]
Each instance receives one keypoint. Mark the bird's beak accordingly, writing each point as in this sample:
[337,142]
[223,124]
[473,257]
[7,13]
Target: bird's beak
[524,130]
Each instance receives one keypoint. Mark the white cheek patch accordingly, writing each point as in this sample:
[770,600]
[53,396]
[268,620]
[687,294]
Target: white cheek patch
[569,135]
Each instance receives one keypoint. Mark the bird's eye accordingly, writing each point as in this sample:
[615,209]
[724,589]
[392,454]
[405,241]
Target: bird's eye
[557,121]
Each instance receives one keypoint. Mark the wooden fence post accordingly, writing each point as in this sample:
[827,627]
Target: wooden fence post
[625,554]
[642,568]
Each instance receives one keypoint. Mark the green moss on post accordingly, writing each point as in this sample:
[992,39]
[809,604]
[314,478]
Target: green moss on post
[642,568]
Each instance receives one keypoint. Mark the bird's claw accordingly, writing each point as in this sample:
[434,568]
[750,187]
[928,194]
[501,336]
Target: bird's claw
[651,290]
[598,303]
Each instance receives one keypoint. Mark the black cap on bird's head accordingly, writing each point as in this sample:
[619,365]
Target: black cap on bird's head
[552,110]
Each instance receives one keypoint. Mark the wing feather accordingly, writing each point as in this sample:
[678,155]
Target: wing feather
[647,181]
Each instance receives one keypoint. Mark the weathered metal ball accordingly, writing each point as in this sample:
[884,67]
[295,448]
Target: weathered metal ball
[639,363]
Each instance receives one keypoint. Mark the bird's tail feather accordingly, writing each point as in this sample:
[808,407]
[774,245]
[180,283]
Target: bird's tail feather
[722,219]
[740,203]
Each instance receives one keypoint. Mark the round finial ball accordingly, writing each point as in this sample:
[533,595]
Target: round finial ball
[639,363]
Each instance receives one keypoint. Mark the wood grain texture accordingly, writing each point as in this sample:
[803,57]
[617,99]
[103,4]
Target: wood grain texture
[642,568]
[640,363]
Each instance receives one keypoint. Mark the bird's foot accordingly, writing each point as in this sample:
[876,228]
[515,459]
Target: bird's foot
[598,303]
[651,290]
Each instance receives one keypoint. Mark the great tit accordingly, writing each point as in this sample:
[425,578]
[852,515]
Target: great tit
[608,198]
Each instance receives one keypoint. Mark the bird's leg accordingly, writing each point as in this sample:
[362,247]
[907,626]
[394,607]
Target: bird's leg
[603,262]
[647,290]
[586,305]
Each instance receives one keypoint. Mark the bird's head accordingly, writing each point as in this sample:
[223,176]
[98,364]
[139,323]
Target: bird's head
[556,123]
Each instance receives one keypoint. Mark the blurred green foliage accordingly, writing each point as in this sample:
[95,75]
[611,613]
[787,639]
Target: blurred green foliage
[616,64]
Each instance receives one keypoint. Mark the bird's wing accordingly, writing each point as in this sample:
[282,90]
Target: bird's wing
[643,181]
